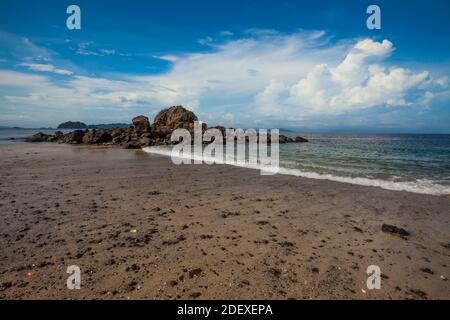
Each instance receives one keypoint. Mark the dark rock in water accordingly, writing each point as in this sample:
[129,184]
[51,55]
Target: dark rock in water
[141,123]
[283,139]
[72,125]
[300,140]
[395,230]
[174,118]
[38,137]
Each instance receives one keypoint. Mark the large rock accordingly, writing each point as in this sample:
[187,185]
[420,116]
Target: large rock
[97,137]
[57,136]
[145,141]
[141,134]
[141,123]
[284,139]
[174,118]
[75,137]
[131,145]
[38,137]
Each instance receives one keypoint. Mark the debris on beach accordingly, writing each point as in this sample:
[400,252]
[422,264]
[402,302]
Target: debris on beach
[395,230]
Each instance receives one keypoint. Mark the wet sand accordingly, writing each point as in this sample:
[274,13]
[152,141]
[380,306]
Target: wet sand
[140,227]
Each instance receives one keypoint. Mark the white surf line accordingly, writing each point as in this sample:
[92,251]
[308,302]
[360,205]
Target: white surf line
[420,186]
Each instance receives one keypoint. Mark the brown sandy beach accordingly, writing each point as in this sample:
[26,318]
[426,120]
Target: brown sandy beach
[140,227]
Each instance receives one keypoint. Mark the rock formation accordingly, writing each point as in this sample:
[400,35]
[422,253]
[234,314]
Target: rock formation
[141,124]
[175,118]
[141,134]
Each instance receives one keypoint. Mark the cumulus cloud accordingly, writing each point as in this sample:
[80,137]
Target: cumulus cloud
[359,81]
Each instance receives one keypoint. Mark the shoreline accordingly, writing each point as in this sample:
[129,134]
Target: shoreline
[419,187]
[140,227]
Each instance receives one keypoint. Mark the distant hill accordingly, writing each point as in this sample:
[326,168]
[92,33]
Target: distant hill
[109,125]
[72,125]
[81,125]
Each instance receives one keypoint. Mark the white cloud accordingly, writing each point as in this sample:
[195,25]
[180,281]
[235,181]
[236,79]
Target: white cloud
[167,57]
[266,75]
[205,41]
[107,52]
[443,81]
[268,99]
[23,48]
[85,49]
[45,68]
[359,81]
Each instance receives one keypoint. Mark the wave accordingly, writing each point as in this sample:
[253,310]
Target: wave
[421,186]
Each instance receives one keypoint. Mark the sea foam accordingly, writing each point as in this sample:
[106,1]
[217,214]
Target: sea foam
[421,186]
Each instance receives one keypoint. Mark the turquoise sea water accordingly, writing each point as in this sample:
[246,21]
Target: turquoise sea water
[401,157]
[410,162]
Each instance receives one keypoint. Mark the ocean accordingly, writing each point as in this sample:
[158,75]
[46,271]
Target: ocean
[417,163]
[12,135]
[409,162]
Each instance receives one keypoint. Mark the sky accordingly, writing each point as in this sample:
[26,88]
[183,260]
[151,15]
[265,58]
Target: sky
[300,65]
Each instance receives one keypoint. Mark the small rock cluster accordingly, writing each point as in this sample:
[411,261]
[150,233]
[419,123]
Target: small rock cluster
[141,134]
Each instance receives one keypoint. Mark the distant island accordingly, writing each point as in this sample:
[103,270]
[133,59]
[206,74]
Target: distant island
[109,125]
[81,125]
[72,125]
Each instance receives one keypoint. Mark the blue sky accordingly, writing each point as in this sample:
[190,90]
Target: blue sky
[311,65]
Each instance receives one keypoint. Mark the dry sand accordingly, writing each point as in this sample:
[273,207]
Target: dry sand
[140,227]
